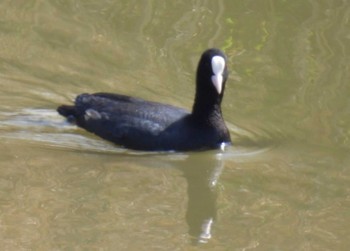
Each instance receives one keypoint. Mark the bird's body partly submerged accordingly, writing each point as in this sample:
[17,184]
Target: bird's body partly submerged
[151,126]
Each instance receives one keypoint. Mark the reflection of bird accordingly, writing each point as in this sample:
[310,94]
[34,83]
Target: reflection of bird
[202,173]
[144,125]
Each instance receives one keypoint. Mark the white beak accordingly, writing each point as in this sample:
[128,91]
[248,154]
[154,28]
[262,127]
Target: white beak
[217,82]
[218,66]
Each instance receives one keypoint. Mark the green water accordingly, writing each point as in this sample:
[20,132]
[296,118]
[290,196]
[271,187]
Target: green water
[284,185]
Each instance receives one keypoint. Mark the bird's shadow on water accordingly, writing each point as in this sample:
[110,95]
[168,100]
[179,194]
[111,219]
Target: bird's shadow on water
[200,169]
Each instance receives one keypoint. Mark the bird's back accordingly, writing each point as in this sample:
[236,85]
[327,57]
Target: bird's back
[128,121]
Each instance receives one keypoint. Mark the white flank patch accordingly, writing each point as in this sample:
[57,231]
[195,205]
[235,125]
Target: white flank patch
[92,114]
[218,66]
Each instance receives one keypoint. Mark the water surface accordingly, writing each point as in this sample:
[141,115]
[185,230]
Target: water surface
[283,185]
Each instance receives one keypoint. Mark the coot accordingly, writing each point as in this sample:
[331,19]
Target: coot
[151,126]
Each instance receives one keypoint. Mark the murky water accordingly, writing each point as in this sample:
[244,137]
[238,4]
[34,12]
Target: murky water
[284,185]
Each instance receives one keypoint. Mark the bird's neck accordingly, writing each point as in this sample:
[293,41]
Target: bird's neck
[206,109]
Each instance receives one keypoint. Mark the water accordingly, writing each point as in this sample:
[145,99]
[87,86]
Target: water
[282,186]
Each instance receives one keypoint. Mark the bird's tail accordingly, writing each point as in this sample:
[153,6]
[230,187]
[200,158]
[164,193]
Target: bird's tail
[68,111]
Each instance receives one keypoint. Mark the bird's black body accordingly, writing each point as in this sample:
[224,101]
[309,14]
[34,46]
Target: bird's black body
[150,126]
